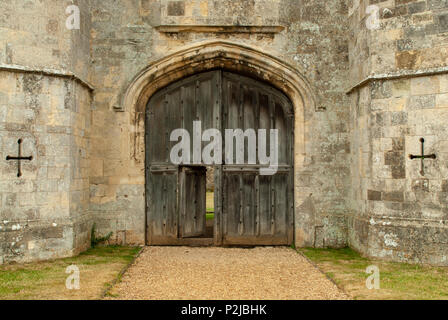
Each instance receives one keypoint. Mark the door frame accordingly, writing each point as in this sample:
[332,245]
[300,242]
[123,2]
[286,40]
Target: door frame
[218,233]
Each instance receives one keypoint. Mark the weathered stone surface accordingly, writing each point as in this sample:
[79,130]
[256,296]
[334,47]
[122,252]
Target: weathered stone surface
[403,109]
[351,150]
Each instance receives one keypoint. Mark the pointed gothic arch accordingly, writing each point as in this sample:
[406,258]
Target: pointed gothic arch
[232,57]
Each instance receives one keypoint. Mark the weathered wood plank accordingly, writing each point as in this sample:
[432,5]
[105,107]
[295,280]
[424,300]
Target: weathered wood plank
[162,221]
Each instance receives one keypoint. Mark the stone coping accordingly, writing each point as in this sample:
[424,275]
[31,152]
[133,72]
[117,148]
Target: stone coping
[399,75]
[47,72]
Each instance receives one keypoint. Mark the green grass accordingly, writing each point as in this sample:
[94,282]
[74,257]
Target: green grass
[126,254]
[336,255]
[210,205]
[397,280]
[46,280]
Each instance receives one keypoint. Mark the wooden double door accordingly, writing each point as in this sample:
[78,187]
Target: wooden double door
[251,208]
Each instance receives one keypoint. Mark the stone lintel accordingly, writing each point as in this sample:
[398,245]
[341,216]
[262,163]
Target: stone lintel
[219,29]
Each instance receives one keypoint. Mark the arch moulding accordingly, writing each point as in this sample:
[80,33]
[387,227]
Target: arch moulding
[235,58]
[212,55]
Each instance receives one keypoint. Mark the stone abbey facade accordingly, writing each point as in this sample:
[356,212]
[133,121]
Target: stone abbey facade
[367,80]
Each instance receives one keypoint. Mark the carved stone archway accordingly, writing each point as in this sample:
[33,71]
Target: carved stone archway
[235,58]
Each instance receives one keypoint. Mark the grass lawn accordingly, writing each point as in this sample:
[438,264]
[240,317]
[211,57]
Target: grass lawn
[98,267]
[397,280]
[210,205]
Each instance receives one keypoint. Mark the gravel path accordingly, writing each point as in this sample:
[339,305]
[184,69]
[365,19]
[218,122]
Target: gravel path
[224,273]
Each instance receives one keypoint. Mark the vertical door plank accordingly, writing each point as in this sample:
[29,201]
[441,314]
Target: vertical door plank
[218,178]
[249,205]
[156,128]
[265,204]
[280,185]
[233,204]
[173,119]
[249,106]
[189,111]
[280,125]
[265,119]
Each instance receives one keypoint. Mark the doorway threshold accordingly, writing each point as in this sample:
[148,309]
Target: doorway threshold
[199,242]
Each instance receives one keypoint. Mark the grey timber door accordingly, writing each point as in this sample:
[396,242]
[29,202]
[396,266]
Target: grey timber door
[192,206]
[250,208]
[170,214]
[258,209]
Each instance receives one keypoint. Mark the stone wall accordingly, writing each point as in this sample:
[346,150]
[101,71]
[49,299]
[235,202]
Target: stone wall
[316,40]
[399,214]
[34,34]
[43,213]
[411,38]
[354,181]
[45,101]
[130,35]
